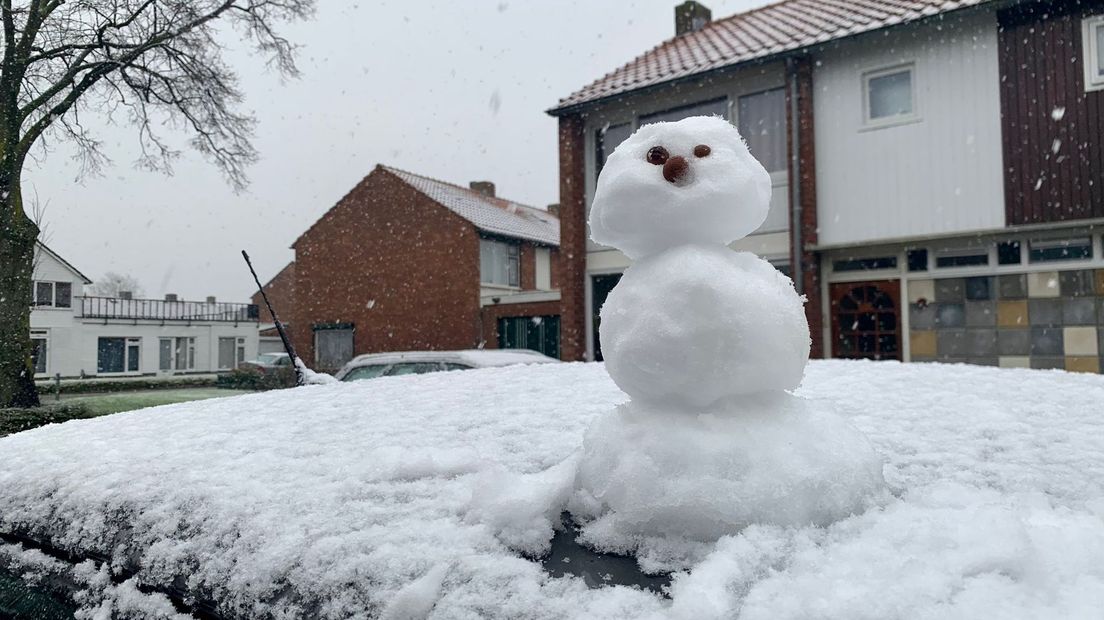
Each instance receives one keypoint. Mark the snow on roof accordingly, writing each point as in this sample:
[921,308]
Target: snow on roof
[402,496]
[767,31]
[488,213]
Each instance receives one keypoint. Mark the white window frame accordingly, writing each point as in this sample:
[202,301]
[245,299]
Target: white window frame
[43,335]
[128,342]
[52,301]
[899,119]
[1094,72]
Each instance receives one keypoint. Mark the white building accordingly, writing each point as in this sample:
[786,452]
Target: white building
[77,335]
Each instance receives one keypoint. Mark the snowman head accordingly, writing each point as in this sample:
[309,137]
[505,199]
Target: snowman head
[671,184]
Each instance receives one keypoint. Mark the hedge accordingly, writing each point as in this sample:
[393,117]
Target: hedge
[15,420]
[92,386]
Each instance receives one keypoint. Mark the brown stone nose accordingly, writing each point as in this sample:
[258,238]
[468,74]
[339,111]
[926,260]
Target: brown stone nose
[675,169]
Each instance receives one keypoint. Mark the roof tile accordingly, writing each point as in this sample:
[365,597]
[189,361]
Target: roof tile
[776,28]
[488,214]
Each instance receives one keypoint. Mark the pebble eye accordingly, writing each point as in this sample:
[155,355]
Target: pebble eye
[702,150]
[657,156]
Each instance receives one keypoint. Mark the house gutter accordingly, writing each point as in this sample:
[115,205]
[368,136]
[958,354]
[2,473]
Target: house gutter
[795,179]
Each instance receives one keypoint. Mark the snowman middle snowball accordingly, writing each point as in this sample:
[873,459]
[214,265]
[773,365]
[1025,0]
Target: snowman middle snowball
[692,322]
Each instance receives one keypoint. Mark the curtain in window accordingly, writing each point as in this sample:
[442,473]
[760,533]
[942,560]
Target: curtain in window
[498,262]
[762,123]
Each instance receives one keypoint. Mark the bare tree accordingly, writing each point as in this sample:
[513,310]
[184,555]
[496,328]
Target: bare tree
[158,62]
[111,284]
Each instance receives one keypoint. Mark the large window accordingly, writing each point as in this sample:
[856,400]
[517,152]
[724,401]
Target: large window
[499,262]
[761,118]
[177,353]
[231,352]
[539,333]
[888,95]
[118,355]
[1093,36]
[53,294]
[716,107]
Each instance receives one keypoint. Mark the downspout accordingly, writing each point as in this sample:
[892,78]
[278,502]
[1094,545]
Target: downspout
[795,179]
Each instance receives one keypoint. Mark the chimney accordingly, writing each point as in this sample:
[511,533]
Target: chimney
[170,297]
[691,17]
[210,299]
[483,187]
[554,209]
[126,295]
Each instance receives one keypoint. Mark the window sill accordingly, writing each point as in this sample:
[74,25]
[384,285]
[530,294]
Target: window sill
[896,121]
[502,287]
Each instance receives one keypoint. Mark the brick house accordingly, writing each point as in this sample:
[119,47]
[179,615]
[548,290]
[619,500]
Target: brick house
[281,292]
[406,262]
[937,166]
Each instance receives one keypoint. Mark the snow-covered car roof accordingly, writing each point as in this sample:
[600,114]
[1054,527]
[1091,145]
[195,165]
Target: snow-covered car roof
[476,358]
[429,495]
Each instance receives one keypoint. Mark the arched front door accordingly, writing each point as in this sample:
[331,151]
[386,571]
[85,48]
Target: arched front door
[866,320]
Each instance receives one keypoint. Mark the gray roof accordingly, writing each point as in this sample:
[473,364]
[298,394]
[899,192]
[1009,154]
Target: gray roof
[489,214]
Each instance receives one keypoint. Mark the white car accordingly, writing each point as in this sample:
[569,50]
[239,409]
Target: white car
[375,365]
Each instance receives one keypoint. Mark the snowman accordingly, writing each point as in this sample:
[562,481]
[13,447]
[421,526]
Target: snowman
[706,342]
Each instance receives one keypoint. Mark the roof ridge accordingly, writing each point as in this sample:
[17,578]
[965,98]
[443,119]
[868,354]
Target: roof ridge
[471,191]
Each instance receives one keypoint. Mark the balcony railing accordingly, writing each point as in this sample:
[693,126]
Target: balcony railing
[161,310]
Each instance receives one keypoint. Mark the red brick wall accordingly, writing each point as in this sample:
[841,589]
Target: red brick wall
[281,292]
[806,186]
[403,269]
[572,254]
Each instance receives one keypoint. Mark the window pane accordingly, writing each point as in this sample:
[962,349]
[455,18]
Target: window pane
[608,139]
[181,353]
[38,354]
[717,107]
[762,123]
[44,293]
[1099,49]
[132,357]
[365,372]
[890,95]
[166,354]
[226,350]
[413,368]
[63,292]
[513,266]
[110,354]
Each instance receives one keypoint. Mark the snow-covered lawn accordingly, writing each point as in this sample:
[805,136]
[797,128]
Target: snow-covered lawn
[420,496]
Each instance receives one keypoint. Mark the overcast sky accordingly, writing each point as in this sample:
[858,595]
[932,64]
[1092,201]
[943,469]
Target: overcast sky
[453,90]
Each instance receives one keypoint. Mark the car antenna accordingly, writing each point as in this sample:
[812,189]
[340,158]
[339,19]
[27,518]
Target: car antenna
[300,379]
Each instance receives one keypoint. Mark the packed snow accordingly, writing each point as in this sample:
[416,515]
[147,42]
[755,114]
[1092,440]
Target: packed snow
[698,323]
[429,495]
[706,341]
[716,198]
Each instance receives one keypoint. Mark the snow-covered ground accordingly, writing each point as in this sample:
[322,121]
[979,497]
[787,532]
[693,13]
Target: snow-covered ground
[420,496]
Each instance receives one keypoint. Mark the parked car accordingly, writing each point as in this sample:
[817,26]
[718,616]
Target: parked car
[266,362]
[375,365]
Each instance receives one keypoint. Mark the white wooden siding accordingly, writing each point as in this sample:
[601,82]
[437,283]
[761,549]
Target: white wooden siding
[938,173]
